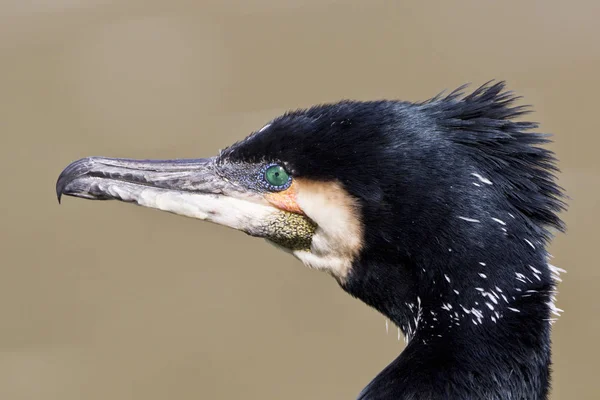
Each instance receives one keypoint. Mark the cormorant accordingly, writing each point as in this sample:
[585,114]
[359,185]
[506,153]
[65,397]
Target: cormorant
[436,213]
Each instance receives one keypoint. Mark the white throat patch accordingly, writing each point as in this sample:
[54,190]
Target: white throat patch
[339,235]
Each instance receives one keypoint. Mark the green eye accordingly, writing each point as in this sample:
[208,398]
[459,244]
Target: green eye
[276,176]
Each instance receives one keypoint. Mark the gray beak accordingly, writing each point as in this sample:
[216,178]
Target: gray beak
[191,188]
[99,178]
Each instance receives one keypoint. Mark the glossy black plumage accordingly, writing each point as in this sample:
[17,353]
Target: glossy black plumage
[457,199]
[437,214]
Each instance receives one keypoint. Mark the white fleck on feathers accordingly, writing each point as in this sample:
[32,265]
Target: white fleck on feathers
[469,219]
[482,179]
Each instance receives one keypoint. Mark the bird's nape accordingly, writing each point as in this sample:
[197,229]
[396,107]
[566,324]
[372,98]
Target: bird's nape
[437,214]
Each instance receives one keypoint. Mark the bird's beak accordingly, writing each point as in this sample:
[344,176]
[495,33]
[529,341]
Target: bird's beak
[192,188]
[99,178]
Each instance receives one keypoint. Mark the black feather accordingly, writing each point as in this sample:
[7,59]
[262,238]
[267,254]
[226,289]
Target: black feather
[474,298]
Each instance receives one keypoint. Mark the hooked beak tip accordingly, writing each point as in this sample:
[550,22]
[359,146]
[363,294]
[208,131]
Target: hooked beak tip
[59,189]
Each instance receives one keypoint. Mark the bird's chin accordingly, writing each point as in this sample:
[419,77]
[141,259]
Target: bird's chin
[289,231]
[282,248]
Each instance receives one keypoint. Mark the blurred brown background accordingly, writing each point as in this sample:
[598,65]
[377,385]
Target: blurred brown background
[111,301]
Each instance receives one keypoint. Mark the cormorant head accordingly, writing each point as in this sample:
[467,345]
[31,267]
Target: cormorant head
[398,201]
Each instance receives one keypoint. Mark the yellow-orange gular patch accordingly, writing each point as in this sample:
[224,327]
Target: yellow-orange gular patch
[286,199]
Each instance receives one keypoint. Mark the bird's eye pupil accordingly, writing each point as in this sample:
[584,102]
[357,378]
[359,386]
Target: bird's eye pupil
[276,176]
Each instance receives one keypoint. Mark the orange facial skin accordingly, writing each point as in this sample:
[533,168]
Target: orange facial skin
[286,199]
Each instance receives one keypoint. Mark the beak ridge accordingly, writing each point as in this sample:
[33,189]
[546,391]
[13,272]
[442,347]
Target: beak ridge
[88,177]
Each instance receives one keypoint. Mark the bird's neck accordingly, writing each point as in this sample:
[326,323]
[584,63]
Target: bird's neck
[485,336]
